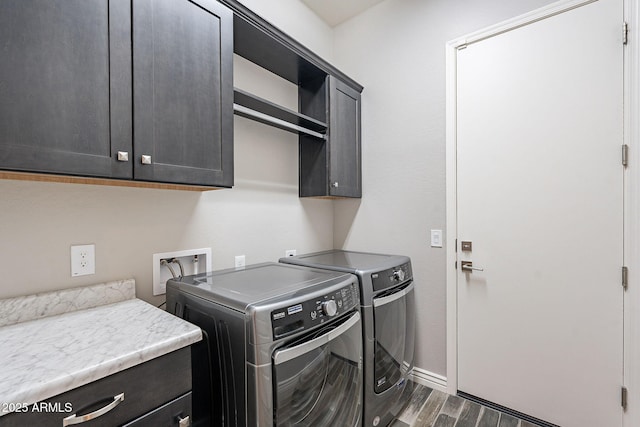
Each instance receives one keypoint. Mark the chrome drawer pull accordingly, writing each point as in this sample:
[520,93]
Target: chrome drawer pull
[73,419]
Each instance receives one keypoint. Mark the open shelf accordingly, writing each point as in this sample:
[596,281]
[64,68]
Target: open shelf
[259,109]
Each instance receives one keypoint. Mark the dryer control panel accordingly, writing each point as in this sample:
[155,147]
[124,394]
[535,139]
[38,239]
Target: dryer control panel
[313,312]
[391,277]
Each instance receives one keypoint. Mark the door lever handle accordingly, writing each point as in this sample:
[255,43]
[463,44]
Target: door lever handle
[468,266]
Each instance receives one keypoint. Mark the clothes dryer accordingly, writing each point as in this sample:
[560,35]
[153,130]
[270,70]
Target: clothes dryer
[388,310]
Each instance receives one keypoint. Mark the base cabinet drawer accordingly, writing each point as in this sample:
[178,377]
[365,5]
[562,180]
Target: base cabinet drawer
[117,399]
[176,413]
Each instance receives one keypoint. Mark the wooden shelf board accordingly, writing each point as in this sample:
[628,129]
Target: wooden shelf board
[39,177]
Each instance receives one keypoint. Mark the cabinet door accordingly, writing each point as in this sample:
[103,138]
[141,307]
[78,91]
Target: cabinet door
[65,86]
[345,174]
[119,398]
[183,92]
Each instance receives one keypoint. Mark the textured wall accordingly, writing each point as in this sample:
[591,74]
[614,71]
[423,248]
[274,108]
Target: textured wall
[260,217]
[397,51]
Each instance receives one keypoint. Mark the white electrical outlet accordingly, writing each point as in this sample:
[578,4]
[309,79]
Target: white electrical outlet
[83,260]
[240,261]
[290,252]
[194,261]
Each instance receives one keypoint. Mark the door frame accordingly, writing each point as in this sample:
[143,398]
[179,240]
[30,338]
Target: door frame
[631,210]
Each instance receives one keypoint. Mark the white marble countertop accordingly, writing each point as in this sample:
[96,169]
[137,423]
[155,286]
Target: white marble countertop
[42,357]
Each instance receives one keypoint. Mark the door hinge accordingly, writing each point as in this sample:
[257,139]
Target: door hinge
[623,398]
[456,245]
[455,264]
[625,155]
[625,277]
[625,33]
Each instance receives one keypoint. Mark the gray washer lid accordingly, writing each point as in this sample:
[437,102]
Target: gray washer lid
[261,283]
[348,261]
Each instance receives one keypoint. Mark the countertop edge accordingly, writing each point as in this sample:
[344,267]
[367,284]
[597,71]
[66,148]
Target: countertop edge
[179,334]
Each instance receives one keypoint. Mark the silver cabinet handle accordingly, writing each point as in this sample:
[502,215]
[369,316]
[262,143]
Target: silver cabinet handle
[184,422]
[335,184]
[73,419]
[146,160]
[123,156]
[468,266]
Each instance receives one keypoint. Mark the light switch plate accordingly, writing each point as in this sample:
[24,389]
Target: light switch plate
[239,261]
[436,238]
[83,260]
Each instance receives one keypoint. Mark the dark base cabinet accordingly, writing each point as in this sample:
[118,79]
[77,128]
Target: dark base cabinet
[156,393]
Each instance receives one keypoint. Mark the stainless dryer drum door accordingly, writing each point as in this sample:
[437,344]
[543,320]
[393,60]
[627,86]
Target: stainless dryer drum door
[318,379]
[394,332]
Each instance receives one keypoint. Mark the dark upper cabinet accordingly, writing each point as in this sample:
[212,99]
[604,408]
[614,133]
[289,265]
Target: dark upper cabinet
[183,91]
[345,175]
[331,167]
[71,104]
[328,116]
[65,86]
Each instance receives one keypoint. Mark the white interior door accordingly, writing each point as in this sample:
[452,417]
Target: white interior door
[540,196]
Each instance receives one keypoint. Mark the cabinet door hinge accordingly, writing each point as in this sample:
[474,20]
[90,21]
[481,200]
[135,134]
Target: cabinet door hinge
[625,277]
[625,33]
[455,264]
[625,155]
[623,398]
[456,245]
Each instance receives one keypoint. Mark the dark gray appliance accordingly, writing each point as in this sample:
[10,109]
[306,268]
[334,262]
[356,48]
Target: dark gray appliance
[388,326]
[282,346]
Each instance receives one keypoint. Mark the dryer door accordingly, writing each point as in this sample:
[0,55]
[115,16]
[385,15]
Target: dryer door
[318,379]
[393,315]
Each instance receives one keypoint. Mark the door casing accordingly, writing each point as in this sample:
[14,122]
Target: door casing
[631,351]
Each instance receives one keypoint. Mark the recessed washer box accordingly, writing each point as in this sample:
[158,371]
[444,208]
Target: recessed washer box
[194,261]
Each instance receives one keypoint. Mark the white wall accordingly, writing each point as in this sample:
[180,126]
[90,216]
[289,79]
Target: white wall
[260,217]
[397,51]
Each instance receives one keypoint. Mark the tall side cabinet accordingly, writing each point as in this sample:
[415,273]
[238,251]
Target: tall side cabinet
[328,116]
[333,168]
[132,90]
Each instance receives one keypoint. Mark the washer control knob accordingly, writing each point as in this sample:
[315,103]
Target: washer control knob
[330,308]
[398,275]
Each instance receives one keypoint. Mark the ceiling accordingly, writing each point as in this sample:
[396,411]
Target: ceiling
[334,12]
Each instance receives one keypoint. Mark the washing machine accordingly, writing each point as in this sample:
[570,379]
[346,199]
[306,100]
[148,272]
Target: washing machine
[281,346]
[388,326]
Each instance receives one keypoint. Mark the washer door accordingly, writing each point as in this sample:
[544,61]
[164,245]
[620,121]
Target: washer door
[393,315]
[318,379]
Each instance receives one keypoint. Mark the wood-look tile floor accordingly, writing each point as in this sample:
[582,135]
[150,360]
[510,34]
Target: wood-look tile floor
[431,408]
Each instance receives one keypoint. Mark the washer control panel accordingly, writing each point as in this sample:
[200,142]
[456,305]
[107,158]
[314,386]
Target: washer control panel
[391,277]
[312,312]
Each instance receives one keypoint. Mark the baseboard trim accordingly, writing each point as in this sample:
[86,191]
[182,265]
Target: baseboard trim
[429,379]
